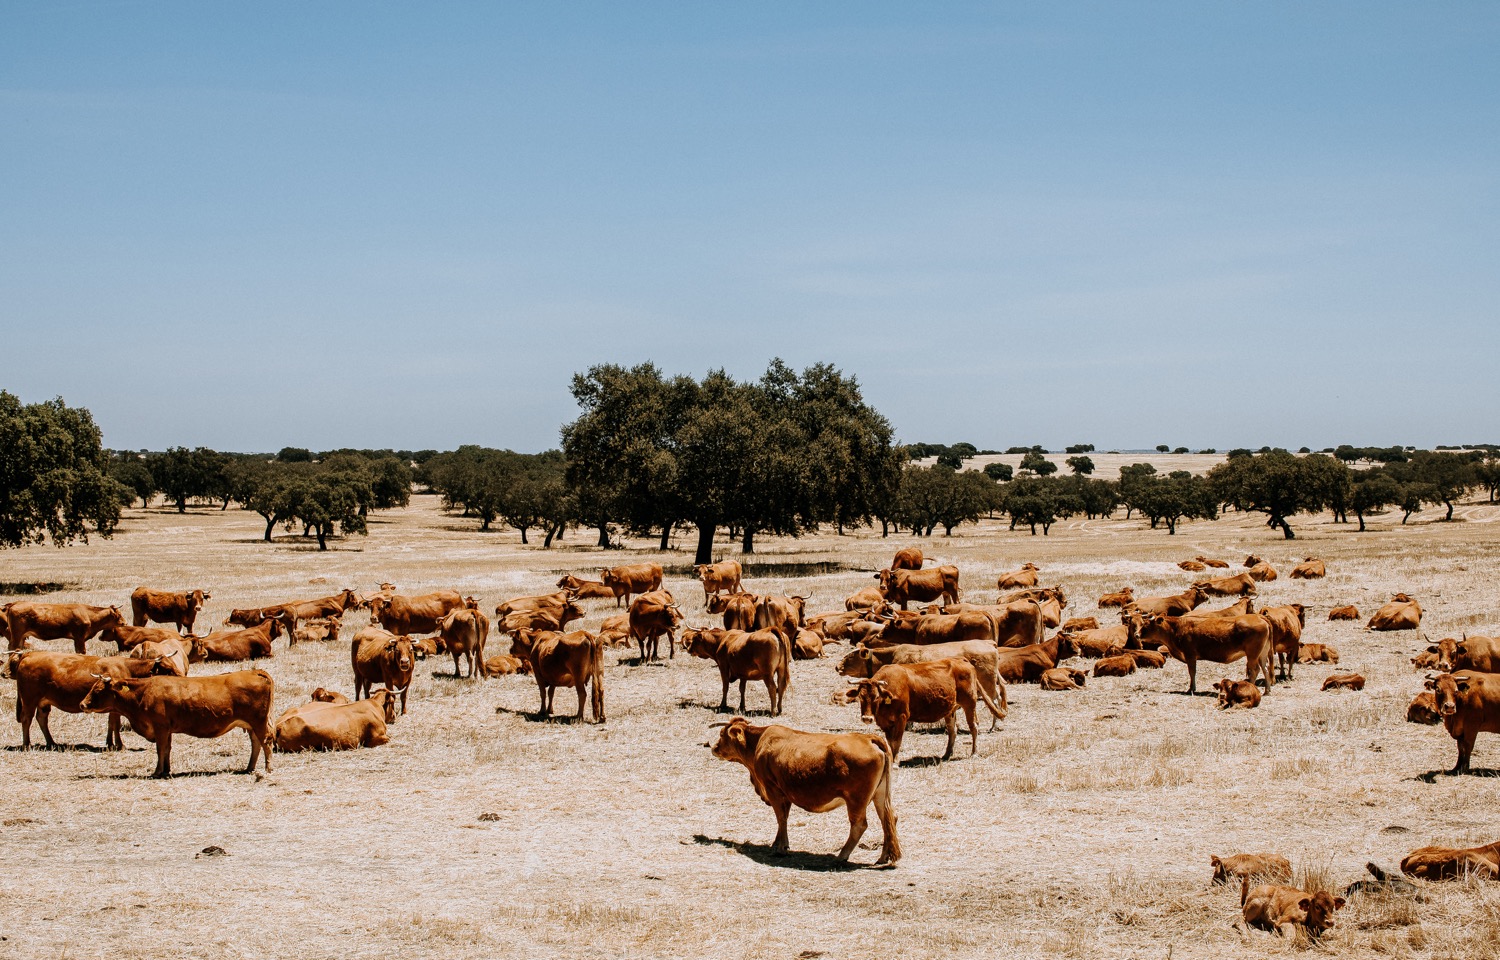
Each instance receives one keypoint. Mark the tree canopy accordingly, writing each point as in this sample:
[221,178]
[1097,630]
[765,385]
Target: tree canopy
[54,475]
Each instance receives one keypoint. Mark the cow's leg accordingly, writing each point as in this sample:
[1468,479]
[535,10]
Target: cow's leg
[858,823]
[742,694]
[671,646]
[582,689]
[163,755]
[771,695]
[43,716]
[973,728]
[112,740]
[81,643]
[724,699]
[255,748]
[1465,751]
[782,806]
[24,714]
[952,725]
[893,737]
[1192,665]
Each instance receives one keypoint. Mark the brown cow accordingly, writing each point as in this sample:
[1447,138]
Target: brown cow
[325,695]
[652,614]
[1216,564]
[124,636]
[1191,566]
[464,634]
[817,772]
[1262,572]
[787,614]
[552,603]
[907,558]
[807,645]
[902,693]
[205,707]
[1039,594]
[1173,606]
[1284,909]
[565,660]
[1216,639]
[1251,561]
[1239,608]
[1027,664]
[631,579]
[1024,577]
[1469,703]
[1246,865]
[1063,678]
[550,619]
[45,679]
[1423,709]
[1453,863]
[159,606]
[1348,612]
[1402,613]
[337,726]
[738,610]
[409,615]
[864,662]
[1237,693]
[59,621]
[1097,643]
[764,655]
[834,626]
[615,630]
[1147,659]
[252,616]
[903,586]
[1014,624]
[380,657]
[319,630]
[321,607]
[864,599]
[585,589]
[1123,597]
[1286,622]
[1343,681]
[174,655]
[502,665]
[1239,585]
[1117,664]
[940,628]
[1074,624]
[724,575]
[1310,569]
[235,645]
[1317,653]
[1481,654]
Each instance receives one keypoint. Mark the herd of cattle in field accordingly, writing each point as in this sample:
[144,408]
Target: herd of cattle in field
[902,667]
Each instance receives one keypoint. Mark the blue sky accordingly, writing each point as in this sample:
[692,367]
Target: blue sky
[327,224]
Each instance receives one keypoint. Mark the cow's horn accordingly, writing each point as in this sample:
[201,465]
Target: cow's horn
[718,723]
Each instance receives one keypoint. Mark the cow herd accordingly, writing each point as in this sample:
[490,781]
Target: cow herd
[901,666]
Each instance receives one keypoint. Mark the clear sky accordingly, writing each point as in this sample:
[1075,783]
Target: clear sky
[390,224]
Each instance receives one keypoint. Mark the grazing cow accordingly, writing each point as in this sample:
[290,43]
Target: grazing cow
[1481,654]
[1063,678]
[1310,569]
[124,636]
[939,628]
[464,634]
[1237,693]
[565,660]
[157,606]
[1343,681]
[550,619]
[653,614]
[383,658]
[1123,597]
[787,614]
[503,665]
[1117,664]
[1262,572]
[738,610]
[337,726]
[408,615]
[322,607]
[765,655]
[1469,703]
[1402,613]
[1216,564]
[1191,566]
[1317,653]
[585,589]
[1024,577]
[319,630]
[807,645]
[865,599]
[552,603]
[724,575]
[1239,585]
[45,679]
[204,707]
[864,662]
[1286,622]
[902,693]
[1074,624]
[1013,624]
[1424,709]
[59,621]
[1216,639]
[1348,612]
[1097,643]
[1283,909]
[235,645]
[631,579]
[816,772]
[1247,865]
[902,586]
[1173,606]
[1027,664]
[907,558]
[1453,863]
[174,655]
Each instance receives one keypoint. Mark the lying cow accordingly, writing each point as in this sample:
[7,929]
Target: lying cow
[1246,866]
[251,643]
[1346,612]
[1310,569]
[1424,709]
[1317,653]
[319,630]
[1237,694]
[1343,681]
[1027,664]
[205,707]
[1117,664]
[337,726]
[1024,577]
[1402,613]
[1173,606]
[1284,909]
[764,655]
[502,665]
[581,589]
[1239,585]
[1262,572]
[1123,597]
[903,693]
[1215,639]
[816,772]
[1063,678]
[1453,863]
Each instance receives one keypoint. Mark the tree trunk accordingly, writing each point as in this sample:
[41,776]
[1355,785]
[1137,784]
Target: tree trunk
[1450,509]
[747,543]
[322,538]
[182,505]
[885,528]
[1171,527]
[484,525]
[1361,522]
[666,536]
[1286,528]
[705,552]
[603,533]
[270,525]
[552,532]
[523,535]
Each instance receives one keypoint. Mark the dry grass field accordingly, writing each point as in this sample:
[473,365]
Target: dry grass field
[1082,829]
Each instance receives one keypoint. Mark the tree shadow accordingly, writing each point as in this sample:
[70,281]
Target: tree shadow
[761,853]
[1432,775]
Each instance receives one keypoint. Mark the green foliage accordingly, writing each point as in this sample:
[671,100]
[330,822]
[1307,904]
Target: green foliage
[1082,466]
[1038,464]
[1000,472]
[1279,484]
[1080,448]
[1162,448]
[938,496]
[54,475]
[1167,501]
[182,474]
[295,455]
[1371,491]
[1039,501]
[130,470]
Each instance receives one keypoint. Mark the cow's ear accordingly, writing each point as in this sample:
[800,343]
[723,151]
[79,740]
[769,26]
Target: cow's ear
[1432,649]
[885,697]
[1430,684]
[1338,903]
[1214,862]
[1463,686]
[1304,903]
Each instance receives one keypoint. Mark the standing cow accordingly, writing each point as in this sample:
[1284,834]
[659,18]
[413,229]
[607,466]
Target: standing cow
[157,606]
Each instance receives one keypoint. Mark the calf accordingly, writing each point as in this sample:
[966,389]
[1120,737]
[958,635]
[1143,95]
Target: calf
[1237,693]
[1247,865]
[1347,612]
[1074,624]
[206,707]
[902,693]
[1283,909]
[903,586]
[502,665]
[565,660]
[1317,653]
[764,655]
[380,657]
[337,726]
[1343,681]
[1424,709]
[1027,664]
[1147,659]
[319,629]
[816,772]
[1063,678]
[1117,664]
[1453,863]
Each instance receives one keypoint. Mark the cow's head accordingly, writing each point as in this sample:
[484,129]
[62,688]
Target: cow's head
[1423,709]
[103,696]
[324,695]
[1446,650]
[887,580]
[385,699]
[1401,598]
[610,578]
[112,617]
[571,611]
[858,663]
[348,598]
[377,605]
[401,652]
[1226,692]
[701,642]
[196,598]
[1319,908]
[569,582]
[1446,689]
[872,695]
[1252,561]
[735,741]
[275,629]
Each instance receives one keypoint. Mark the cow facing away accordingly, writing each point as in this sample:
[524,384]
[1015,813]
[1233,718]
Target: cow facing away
[1310,569]
[907,558]
[205,707]
[764,655]
[157,606]
[1453,863]
[816,772]
[565,660]
[464,633]
[625,581]
[1347,612]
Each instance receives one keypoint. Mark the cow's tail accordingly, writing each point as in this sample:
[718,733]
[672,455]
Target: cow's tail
[785,679]
[1041,624]
[998,709]
[1244,890]
[596,676]
[882,798]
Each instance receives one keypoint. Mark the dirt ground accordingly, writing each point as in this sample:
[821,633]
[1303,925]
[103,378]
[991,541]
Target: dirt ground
[1083,827]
